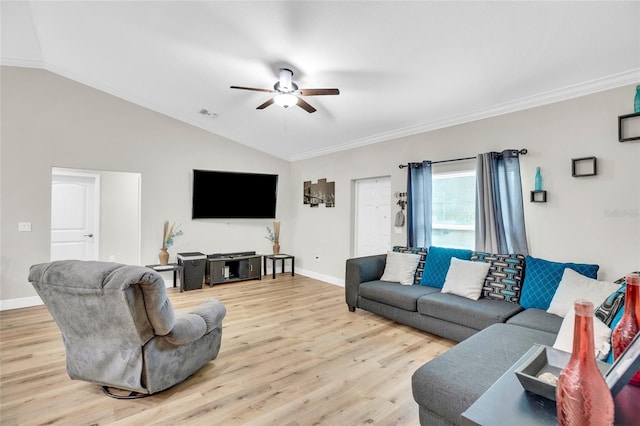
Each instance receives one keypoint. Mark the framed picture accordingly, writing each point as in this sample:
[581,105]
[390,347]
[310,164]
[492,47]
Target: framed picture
[322,192]
[625,367]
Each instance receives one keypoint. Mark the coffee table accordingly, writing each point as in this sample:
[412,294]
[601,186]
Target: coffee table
[507,403]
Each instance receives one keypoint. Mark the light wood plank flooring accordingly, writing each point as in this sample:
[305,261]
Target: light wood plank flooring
[291,354]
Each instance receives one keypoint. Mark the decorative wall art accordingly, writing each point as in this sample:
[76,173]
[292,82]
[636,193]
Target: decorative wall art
[322,192]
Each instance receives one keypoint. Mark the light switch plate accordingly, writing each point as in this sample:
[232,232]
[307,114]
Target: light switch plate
[24,226]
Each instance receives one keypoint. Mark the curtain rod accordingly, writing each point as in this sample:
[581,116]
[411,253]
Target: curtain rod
[523,151]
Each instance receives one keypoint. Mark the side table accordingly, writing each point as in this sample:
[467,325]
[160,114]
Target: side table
[178,270]
[282,258]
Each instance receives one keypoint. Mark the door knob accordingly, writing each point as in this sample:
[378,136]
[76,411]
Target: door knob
[88,235]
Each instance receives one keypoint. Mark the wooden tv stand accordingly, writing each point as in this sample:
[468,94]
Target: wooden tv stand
[230,267]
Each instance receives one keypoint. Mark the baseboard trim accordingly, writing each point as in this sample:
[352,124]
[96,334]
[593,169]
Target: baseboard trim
[321,277]
[26,302]
[21,302]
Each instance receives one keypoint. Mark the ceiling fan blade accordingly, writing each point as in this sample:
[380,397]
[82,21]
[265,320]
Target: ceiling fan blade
[266,104]
[252,88]
[316,92]
[305,106]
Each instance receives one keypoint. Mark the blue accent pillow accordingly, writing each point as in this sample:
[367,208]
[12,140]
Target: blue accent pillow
[437,264]
[543,277]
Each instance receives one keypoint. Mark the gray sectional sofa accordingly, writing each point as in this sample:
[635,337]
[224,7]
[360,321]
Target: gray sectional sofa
[494,335]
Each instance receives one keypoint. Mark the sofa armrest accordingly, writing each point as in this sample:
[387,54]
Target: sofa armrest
[360,270]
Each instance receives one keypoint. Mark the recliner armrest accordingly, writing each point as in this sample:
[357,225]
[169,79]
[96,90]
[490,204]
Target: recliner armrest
[195,324]
[360,270]
[212,312]
[188,327]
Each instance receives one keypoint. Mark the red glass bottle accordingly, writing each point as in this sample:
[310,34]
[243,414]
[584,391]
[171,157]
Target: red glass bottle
[629,324]
[582,395]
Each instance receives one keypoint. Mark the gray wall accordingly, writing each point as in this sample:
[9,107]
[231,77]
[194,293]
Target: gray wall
[48,120]
[589,219]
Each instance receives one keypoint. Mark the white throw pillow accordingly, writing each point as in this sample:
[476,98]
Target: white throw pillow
[601,336]
[465,278]
[400,267]
[576,286]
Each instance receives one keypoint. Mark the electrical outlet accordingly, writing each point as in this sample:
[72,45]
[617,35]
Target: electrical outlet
[24,226]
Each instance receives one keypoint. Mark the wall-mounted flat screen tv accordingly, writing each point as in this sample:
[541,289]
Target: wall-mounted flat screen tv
[234,195]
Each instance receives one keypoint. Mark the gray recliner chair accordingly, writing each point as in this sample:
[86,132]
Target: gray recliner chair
[119,328]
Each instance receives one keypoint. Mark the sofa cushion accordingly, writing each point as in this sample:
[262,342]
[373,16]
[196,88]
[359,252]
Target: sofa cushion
[400,267]
[395,294]
[537,319]
[601,336]
[451,382]
[422,251]
[437,264]
[465,278]
[476,314]
[575,286]
[505,277]
[543,277]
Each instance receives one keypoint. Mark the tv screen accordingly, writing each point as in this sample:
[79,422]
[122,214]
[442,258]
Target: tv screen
[234,195]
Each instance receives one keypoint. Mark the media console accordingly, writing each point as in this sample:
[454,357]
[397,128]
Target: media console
[230,267]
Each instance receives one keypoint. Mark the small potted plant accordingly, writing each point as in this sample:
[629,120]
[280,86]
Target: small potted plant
[273,235]
[168,235]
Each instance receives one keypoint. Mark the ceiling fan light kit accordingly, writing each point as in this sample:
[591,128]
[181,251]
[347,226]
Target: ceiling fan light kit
[286,100]
[288,94]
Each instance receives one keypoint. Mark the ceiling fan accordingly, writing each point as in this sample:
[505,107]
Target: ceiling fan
[288,94]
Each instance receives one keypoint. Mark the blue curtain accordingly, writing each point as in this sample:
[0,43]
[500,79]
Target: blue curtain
[499,209]
[419,203]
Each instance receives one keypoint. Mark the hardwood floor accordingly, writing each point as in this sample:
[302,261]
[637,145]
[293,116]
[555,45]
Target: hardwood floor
[291,354]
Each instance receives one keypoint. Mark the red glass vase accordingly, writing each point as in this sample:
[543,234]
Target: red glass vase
[582,395]
[629,324]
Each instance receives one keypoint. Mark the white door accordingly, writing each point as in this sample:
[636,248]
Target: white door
[75,201]
[372,216]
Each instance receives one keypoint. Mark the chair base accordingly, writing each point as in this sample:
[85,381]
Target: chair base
[132,395]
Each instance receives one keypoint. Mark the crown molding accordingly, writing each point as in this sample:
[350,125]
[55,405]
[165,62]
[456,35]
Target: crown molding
[574,91]
[21,62]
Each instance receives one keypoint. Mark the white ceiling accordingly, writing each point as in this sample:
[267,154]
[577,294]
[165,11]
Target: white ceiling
[402,67]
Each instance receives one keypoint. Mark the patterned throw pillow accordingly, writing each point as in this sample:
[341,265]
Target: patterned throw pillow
[437,264]
[542,280]
[505,277]
[608,310]
[422,251]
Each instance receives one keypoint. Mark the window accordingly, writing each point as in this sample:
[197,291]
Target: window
[454,209]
